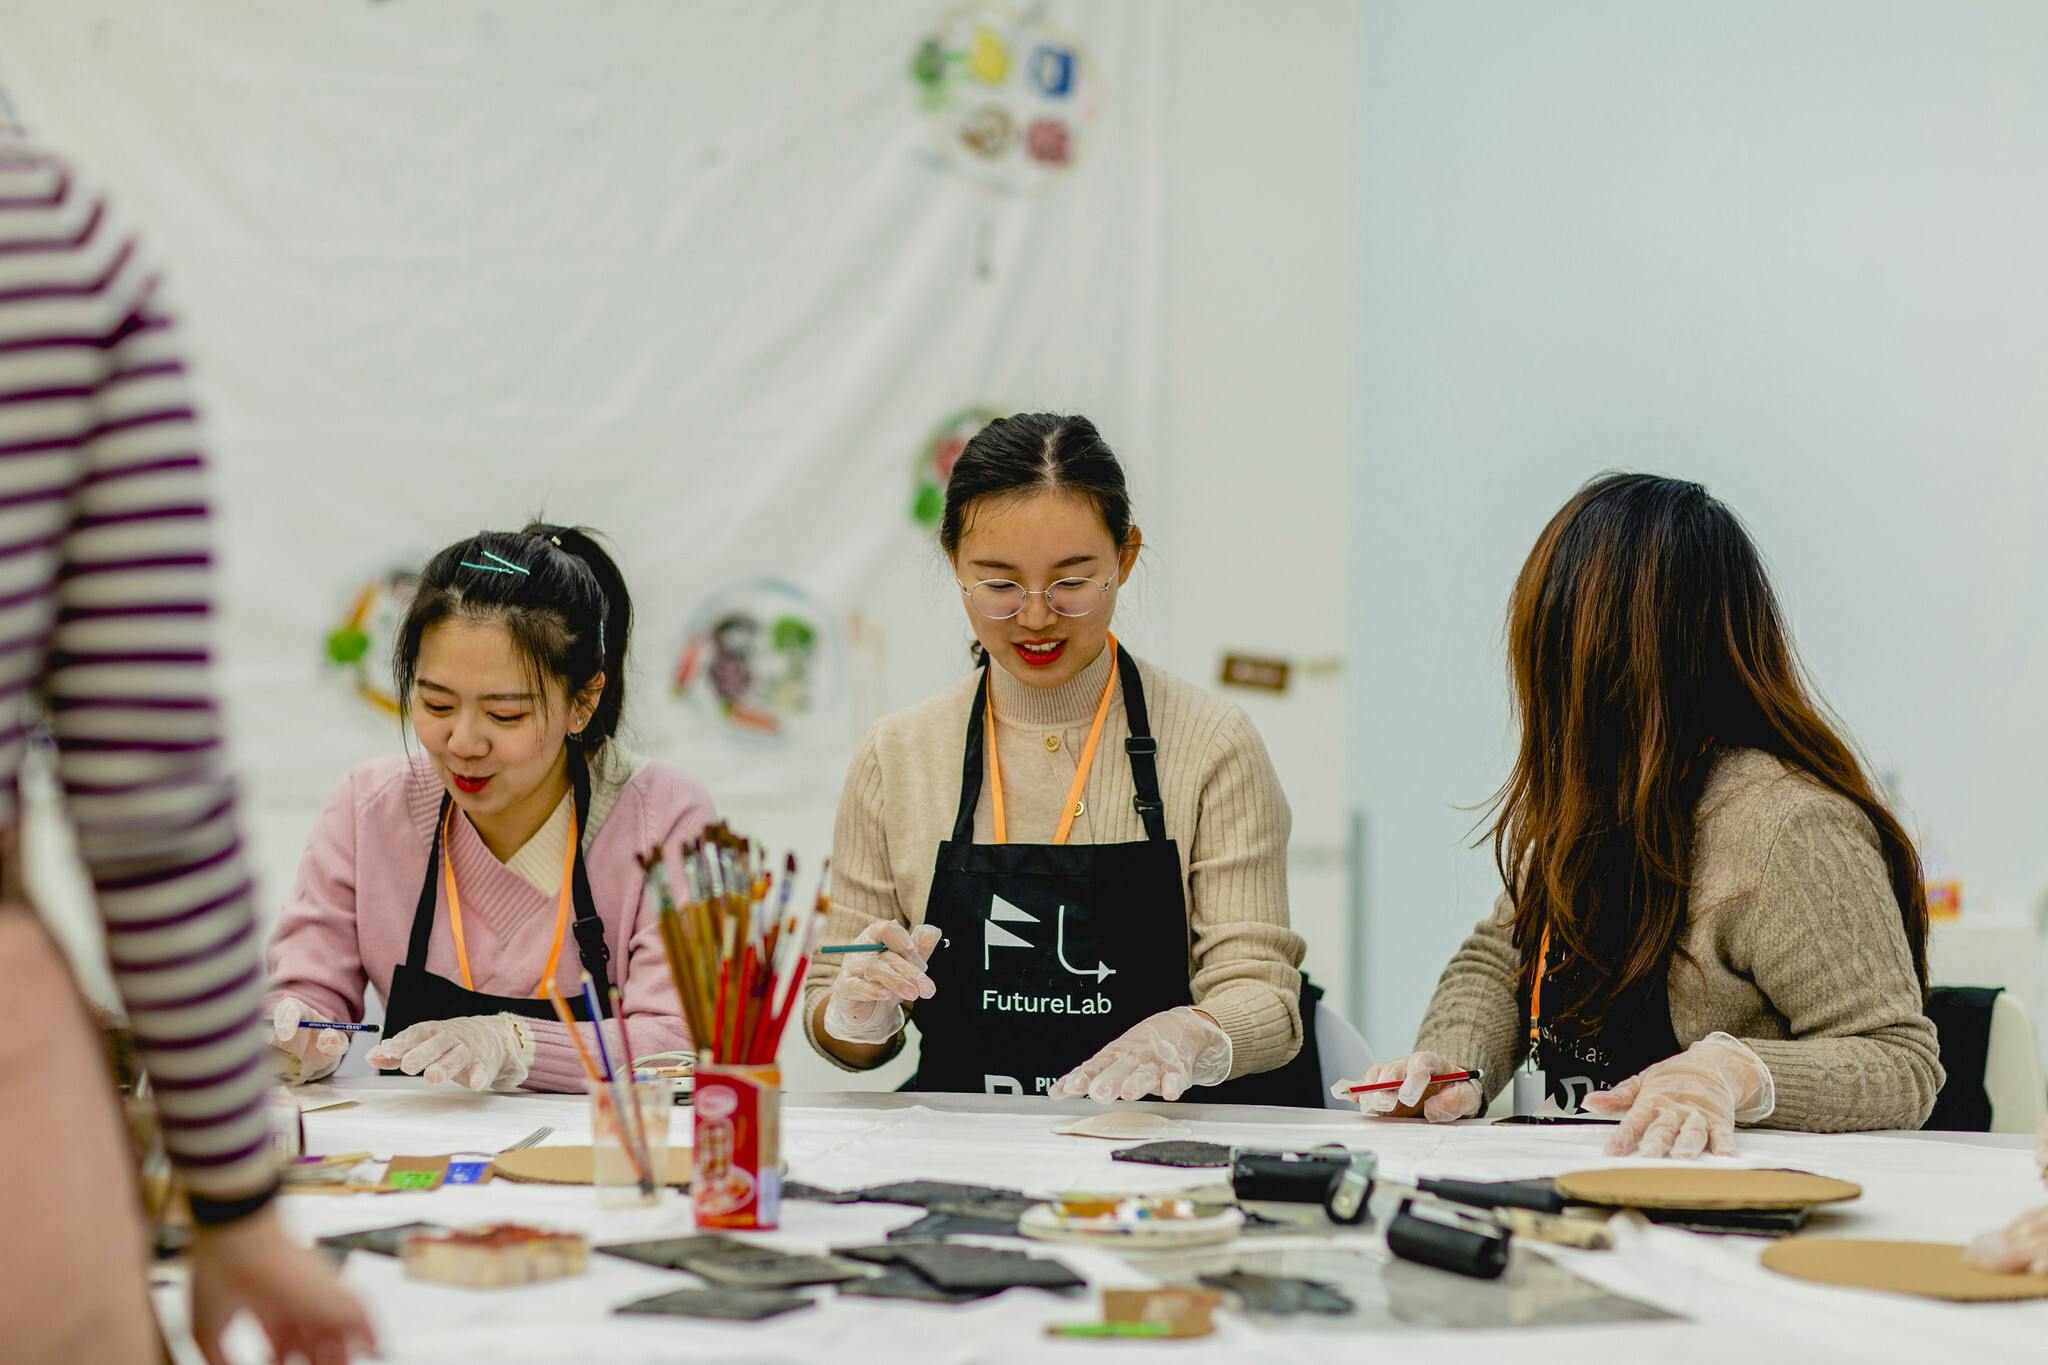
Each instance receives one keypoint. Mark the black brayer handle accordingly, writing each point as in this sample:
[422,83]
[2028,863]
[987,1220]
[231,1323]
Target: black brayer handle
[1497,1194]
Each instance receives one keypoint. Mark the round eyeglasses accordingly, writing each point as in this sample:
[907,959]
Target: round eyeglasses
[998,599]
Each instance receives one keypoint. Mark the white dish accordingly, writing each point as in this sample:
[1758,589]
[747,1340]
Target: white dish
[1043,1222]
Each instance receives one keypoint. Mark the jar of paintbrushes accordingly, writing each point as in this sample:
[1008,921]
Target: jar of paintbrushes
[738,950]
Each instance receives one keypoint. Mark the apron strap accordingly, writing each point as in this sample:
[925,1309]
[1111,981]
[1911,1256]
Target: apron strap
[423,912]
[595,953]
[1143,750]
[970,768]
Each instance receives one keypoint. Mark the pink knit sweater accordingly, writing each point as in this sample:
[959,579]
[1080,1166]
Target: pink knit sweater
[349,918]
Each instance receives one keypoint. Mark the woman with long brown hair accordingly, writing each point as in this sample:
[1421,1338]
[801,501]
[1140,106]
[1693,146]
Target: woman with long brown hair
[1709,915]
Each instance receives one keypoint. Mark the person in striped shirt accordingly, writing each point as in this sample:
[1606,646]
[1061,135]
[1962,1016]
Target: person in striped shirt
[105,609]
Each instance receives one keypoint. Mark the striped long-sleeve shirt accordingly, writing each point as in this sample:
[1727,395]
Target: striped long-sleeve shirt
[105,620]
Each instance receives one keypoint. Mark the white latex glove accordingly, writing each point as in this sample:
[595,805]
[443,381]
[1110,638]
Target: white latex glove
[1445,1103]
[866,1002]
[2022,1245]
[481,1051]
[1162,1056]
[319,1050]
[1690,1103]
[2019,1248]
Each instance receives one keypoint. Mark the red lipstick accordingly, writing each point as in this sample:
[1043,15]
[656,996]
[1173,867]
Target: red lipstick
[1041,658]
[469,785]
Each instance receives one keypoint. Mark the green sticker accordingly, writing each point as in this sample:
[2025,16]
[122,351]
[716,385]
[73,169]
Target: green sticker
[412,1180]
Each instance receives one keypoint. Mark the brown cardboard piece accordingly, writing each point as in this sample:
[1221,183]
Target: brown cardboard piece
[575,1166]
[1703,1187]
[1927,1270]
[1183,1311]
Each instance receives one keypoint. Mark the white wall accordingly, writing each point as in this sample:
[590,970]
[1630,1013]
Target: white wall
[1257,414]
[1793,251]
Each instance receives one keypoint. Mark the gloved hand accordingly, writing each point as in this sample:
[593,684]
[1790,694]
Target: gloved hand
[1162,1055]
[866,1002]
[481,1051]
[2021,1245]
[1690,1103]
[319,1050]
[1445,1103]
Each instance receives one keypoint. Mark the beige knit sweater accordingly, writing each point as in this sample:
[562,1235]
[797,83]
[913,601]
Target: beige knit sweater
[1795,945]
[1224,809]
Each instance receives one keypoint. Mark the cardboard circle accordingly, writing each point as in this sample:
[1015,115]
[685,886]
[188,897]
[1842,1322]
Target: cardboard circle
[1704,1187]
[574,1166]
[1926,1270]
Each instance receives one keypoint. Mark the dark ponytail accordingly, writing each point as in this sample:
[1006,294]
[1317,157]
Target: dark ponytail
[554,590]
[1036,452]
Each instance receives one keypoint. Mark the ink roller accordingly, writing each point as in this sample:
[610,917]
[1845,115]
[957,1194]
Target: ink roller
[1338,1179]
[1440,1235]
[1432,1233]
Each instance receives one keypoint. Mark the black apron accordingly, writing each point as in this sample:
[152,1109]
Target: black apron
[1054,950]
[418,995]
[1633,1032]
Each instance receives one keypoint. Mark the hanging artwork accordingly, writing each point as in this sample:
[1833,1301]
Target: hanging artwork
[360,646]
[934,464]
[759,659]
[1010,99]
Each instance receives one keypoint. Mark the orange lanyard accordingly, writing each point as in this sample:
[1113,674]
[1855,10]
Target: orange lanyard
[1536,987]
[995,762]
[561,907]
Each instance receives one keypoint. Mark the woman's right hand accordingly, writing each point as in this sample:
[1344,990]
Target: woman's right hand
[866,1001]
[319,1050]
[1445,1103]
[302,1305]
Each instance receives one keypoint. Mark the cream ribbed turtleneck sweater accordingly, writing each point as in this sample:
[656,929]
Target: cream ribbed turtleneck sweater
[1224,810]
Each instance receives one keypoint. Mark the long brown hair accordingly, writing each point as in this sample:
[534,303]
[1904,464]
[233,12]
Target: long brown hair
[1644,641]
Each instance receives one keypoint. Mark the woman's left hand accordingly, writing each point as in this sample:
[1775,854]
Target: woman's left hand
[482,1052]
[1162,1055]
[1689,1104]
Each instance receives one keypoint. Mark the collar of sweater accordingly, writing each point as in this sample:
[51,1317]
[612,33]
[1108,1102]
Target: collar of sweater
[612,770]
[1071,703]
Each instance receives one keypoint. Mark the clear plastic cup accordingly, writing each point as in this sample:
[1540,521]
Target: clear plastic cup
[620,1152]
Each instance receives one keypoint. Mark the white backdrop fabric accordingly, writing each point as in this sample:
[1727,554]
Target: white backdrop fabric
[707,277]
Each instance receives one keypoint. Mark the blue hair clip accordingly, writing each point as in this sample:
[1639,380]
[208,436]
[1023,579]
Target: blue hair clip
[483,568]
[515,568]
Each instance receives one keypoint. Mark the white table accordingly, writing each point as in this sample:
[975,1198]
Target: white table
[1944,1188]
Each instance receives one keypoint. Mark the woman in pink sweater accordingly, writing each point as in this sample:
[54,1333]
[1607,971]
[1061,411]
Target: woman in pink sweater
[456,880]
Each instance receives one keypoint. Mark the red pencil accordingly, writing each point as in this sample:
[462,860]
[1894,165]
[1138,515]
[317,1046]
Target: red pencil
[1445,1079]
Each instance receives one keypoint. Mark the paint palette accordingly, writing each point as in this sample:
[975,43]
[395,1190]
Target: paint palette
[1131,1221]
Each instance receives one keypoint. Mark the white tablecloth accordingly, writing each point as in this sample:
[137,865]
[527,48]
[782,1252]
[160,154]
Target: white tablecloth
[1944,1188]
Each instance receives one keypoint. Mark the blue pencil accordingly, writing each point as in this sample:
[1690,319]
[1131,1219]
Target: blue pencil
[604,1054]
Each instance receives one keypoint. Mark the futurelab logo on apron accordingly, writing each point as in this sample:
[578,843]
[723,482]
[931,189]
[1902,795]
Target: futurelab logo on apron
[994,936]
[1033,970]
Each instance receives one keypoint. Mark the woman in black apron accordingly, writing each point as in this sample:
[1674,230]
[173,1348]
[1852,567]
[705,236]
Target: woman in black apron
[1717,921]
[1101,910]
[508,662]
